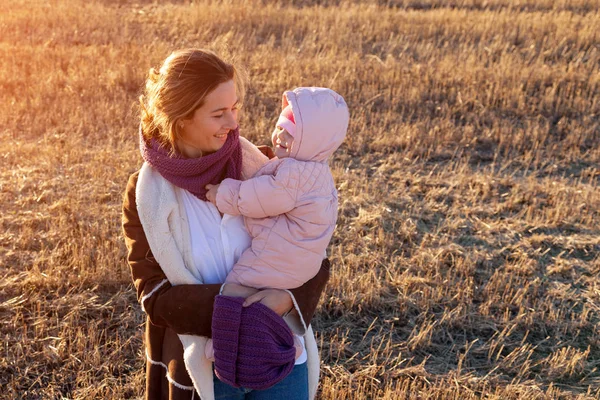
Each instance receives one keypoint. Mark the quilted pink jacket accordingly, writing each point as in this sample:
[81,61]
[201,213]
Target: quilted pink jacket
[290,205]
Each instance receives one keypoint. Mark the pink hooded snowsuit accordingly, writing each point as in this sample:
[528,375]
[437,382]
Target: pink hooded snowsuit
[290,204]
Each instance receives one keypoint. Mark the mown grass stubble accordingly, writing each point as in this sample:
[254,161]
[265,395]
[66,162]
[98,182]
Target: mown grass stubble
[466,258]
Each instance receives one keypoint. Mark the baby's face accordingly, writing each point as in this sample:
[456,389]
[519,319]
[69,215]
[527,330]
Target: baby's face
[282,142]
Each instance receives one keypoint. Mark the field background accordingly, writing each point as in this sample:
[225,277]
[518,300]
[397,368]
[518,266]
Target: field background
[466,259]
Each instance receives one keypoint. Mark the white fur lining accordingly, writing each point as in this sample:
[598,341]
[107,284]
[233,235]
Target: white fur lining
[169,378]
[146,297]
[252,158]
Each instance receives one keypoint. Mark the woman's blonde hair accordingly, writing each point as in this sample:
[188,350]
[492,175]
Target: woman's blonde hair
[179,88]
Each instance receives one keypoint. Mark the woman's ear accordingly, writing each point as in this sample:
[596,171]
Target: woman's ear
[179,125]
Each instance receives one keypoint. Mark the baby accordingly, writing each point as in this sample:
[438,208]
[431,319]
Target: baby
[290,204]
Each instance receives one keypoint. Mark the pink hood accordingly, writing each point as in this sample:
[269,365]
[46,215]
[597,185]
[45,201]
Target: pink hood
[321,122]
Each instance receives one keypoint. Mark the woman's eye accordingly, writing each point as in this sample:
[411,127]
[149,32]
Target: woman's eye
[217,116]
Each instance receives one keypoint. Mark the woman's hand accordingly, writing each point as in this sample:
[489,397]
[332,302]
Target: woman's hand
[235,290]
[277,300]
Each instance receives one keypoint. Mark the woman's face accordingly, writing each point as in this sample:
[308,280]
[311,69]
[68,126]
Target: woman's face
[207,130]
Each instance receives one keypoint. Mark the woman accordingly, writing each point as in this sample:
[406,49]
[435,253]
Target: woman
[180,248]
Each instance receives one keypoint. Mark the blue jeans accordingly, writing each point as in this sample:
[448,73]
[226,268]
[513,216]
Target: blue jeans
[292,387]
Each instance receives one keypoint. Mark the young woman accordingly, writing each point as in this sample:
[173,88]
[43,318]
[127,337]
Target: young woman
[180,248]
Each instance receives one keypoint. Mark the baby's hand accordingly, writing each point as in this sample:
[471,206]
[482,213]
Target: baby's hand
[211,195]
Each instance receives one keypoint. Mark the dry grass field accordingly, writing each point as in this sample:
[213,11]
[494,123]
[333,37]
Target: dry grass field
[467,255]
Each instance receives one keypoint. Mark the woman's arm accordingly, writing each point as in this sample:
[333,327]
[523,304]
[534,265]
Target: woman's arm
[298,305]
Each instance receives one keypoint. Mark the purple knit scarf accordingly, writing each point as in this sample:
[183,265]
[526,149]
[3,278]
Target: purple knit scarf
[193,174]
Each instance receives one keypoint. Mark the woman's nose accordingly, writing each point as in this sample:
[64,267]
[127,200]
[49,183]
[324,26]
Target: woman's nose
[231,121]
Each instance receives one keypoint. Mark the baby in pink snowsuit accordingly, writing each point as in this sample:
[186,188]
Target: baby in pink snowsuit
[290,204]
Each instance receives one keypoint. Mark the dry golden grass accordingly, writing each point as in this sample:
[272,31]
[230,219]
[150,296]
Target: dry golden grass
[466,261]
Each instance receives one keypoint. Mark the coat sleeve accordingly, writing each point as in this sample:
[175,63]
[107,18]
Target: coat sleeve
[187,309]
[262,196]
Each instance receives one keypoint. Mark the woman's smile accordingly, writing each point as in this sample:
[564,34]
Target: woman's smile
[222,136]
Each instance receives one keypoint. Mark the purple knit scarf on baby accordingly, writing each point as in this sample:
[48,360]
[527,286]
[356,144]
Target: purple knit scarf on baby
[193,174]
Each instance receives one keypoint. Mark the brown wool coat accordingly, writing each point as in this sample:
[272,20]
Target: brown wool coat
[182,309]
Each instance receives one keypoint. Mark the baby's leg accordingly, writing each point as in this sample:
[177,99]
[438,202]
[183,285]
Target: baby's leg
[209,351]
